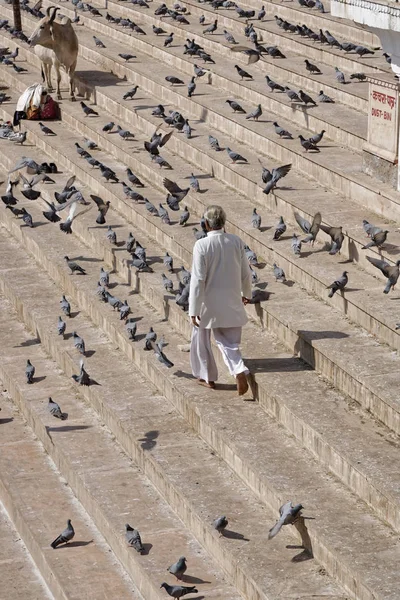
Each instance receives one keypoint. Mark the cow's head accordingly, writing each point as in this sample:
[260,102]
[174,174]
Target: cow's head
[43,34]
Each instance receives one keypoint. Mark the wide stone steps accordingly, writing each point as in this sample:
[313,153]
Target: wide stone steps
[37,498]
[293,326]
[188,473]
[335,168]
[19,575]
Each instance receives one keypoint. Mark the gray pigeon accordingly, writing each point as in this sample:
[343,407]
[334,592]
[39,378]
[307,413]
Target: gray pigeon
[160,354]
[167,283]
[133,538]
[61,326]
[311,229]
[65,306]
[185,275]
[340,76]
[168,262]
[324,98]
[199,235]
[151,336]
[55,410]
[255,114]
[177,591]
[339,284]
[184,216]
[75,268]
[83,378]
[29,371]
[377,239]
[251,256]
[178,568]
[283,133]
[315,139]
[182,296]
[131,328]
[337,238]
[65,537]
[256,219]
[296,245]
[279,274]
[194,183]
[288,515]
[79,343]
[279,229]
[389,271]
[220,524]
[111,236]
[369,228]
[104,277]
[234,156]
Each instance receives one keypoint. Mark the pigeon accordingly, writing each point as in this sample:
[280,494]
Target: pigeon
[261,13]
[271,178]
[124,311]
[185,275]
[158,30]
[220,524]
[55,410]
[296,245]
[160,354]
[130,93]
[61,326]
[315,139]
[255,219]
[65,537]
[202,19]
[90,145]
[307,145]
[377,239]
[113,301]
[108,174]
[293,96]
[133,179]
[163,213]
[168,40]
[340,76]
[17,137]
[229,37]
[370,229]
[26,217]
[282,132]
[348,46]
[199,235]
[151,208]
[275,52]
[125,134]
[131,327]
[191,87]
[242,73]
[108,127]
[388,58]
[337,237]
[79,343]
[178,568]
[177,591]
[280,229]
[213,27]
[168,262]
[98,42]
[389,271]
[126,57]
[324,98]
[102,208]
[184,216]
[214,143]
[88,111]
[51,215]
[29,372]
[151,336]
[174,80]
[306,98]
[19,69]
[140,264]
[177,193]
[251,256]
[339,284]
[182,296]
[75,268]
[65,306]
[359,76]
[133,538]
[234,156]
[254,276]
[273,85]
[311,229]
[311,68]
[279,273]
[111,236]
[362,51]
[255,114]
[288,515]
[83,378]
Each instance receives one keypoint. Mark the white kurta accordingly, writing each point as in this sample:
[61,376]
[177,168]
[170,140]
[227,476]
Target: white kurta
[220,277]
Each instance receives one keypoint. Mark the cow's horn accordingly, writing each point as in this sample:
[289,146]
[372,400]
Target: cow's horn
[48,10]
[53,16]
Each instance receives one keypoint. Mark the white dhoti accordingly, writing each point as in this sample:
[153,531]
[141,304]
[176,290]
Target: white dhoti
[201,356]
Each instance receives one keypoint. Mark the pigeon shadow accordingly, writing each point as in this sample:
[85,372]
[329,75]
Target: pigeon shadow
[69,427]
[146,549]
[75,314]
[148,442]
[39,379]
[6,420]
[74,544]
[140,337]
[262,229]
[68,336]
[194,580]
[182,374]
[40,223]
[354,289]
[27,343]
[89,353]
[234,535]
[86,259]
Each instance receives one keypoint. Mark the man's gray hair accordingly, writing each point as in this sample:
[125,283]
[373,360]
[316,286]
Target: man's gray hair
[215,216]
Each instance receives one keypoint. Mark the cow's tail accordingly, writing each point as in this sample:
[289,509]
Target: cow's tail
[42,71]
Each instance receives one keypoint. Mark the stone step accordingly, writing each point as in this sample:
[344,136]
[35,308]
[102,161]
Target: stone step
[21,579]
[294,327]
[39,500]
[196,483]
[321,271]
[111,485]
[332,169]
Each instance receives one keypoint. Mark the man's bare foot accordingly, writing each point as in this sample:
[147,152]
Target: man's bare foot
[253,386]
[242,385]
[208,384]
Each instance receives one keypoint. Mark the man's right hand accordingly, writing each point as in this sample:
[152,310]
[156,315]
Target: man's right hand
[194,322]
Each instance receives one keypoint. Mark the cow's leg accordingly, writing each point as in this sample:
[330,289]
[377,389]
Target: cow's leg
[71,73]
[57,68]
[48,78]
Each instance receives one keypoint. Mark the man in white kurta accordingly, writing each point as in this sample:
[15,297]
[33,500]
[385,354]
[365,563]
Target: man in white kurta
[220,286]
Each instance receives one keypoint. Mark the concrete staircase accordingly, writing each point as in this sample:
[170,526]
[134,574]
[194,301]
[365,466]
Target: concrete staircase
[144,444]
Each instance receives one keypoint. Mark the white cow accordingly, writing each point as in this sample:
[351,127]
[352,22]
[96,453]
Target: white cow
[62,39]
[49,60]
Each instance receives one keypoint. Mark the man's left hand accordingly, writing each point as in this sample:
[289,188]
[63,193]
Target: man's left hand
[245,300]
